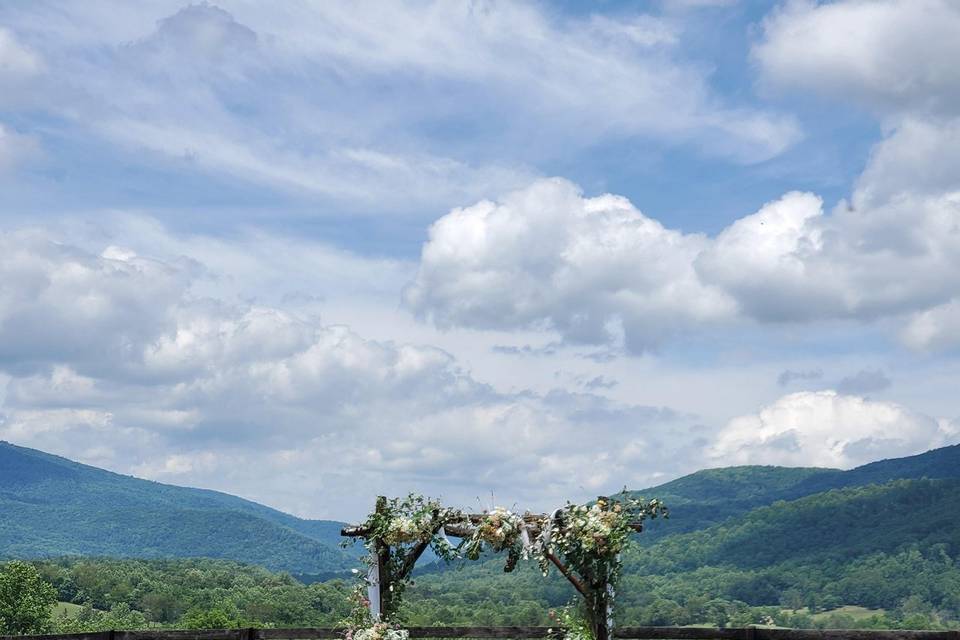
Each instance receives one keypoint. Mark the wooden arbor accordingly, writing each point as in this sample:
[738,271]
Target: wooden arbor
[388,573]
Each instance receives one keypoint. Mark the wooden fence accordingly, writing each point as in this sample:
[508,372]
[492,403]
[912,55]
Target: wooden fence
[627,633]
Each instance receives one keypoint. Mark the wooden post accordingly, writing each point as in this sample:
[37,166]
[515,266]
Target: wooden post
[383,570]
[601,607]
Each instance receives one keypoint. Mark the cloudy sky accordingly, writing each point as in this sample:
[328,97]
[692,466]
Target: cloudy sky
[504,252]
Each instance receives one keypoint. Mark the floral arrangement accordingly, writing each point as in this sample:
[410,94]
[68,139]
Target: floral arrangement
[501,530]
[591,537]
[378,631]
[411,520]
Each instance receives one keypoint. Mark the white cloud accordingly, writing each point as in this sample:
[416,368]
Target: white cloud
[599,271]
[508,76]
[117,349]
[891,55]
[934,329]
[594,269]
[791,262]
[824,428]
[919,158]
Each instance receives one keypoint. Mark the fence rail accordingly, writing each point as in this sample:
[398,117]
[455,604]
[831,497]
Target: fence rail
[626,633]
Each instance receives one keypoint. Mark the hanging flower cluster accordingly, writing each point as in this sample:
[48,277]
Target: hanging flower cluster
[411,520]
[501,530]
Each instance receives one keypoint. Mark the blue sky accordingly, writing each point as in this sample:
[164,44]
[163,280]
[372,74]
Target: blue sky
[533,250]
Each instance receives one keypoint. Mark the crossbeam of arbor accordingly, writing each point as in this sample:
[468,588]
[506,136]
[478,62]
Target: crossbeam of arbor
[465,526]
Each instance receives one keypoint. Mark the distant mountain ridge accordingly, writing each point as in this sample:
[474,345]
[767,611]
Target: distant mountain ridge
[712,496]
[51,506]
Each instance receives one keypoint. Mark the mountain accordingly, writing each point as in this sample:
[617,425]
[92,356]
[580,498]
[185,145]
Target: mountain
[51,506]
[892,547]
[841,524]
[712,496]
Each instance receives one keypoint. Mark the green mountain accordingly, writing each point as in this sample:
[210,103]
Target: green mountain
[713,496]
[873,546]
[50,506]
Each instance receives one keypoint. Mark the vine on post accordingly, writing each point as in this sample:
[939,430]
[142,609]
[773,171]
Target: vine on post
[396,534]
[585,542]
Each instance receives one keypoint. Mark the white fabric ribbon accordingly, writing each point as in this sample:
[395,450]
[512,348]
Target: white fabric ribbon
[373,589]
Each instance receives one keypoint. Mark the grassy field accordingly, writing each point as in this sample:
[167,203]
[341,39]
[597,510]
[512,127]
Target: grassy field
[857,613]
[66,608]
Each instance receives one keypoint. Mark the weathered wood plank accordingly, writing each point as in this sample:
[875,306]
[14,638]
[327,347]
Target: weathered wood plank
[301,634]
[178,634]
[853,634]
[626,633]
[761,633]
[98,635]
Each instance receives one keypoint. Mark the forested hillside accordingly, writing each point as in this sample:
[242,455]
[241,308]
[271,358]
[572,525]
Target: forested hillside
[712,496]
[50,506]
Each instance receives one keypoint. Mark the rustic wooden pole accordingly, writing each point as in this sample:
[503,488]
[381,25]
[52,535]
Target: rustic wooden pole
[602,609]
[385,580]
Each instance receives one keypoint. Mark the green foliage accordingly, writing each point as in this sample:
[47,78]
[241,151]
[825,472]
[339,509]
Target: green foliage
[218,617]
[26,600]
[134,594]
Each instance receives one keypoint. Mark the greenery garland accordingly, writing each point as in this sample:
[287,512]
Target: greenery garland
[590,539]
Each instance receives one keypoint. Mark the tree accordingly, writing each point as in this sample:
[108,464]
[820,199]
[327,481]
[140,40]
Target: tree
[26,600]
[791,599]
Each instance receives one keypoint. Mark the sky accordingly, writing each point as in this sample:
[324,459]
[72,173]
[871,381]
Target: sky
[501,253]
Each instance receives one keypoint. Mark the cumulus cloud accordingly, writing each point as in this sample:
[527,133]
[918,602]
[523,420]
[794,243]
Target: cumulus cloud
[937,328]
[115,358]
[829,429]
[891,55]
[594,269]
[597,270]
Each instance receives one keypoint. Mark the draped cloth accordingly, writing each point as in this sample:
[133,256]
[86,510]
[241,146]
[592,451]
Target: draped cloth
[373,589]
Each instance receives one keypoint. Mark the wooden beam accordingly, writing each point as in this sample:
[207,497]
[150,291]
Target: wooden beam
[414,554]
[464,527]
[568,574]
